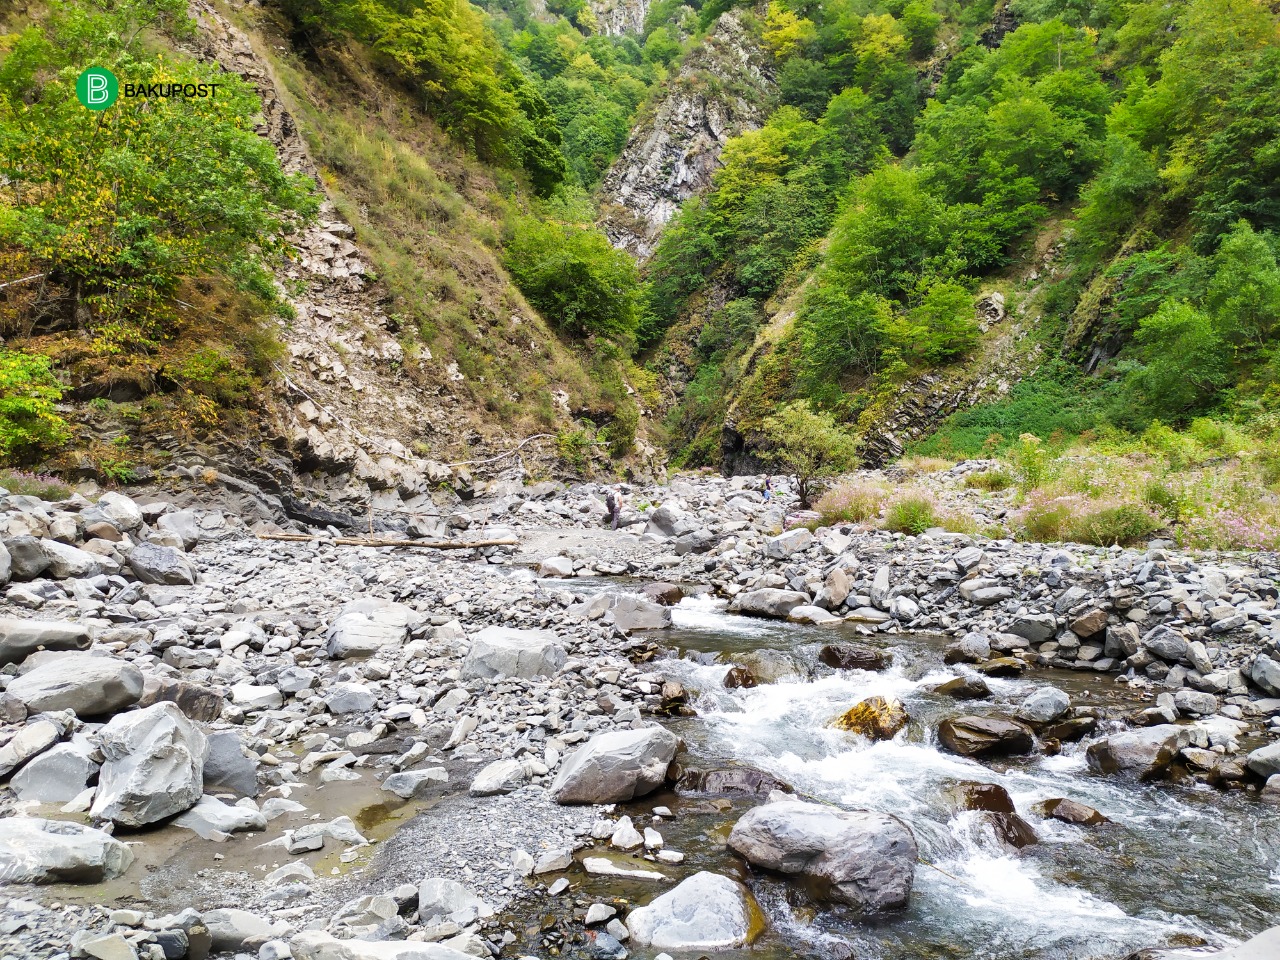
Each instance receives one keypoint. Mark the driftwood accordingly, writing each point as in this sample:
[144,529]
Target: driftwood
[369,542]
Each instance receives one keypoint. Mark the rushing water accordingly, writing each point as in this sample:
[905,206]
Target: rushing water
[1177,865]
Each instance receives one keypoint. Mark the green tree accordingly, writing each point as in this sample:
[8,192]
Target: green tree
[1186,362]
[29,423]
[808,445]
[1244,294]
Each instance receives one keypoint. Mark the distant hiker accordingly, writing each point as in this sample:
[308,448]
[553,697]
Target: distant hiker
[613,500]
[767,489]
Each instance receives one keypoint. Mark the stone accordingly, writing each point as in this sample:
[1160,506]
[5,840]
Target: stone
[553,861]
[1264,672]
[769,602]
[707,911]
[113,946]
[344,698]
[232,929]
[1072,811]
[556,567]
[182,524]
[875,718]
[212,819]
[903,608]
[66,561]
[26,558]
[316,945]
[498,652]
[604,867]
[1043,706]
[35,850]
[227,769]
[616,766]
[973,647]
[440,899]
[964,688]
[415,783]
[57,775]
[1265,761]
[197,702]
[974,736]
[835,589]
[631,614]
[667,594]
[866,860]
[784,545]
[1089,624]
[1165,643]
[120,510]
[253,696]
[152,563]
[86,684]
[984,593]
[500,776]
[1145,754]
[20,637]
[810,613]
[153,768]
[32,740]
[364,626]
[1195,702]
[852,656]
[732,781]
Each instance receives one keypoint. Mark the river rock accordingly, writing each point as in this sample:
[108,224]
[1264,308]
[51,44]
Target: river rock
[785,544]
[1043,706]
[769,602]
[974,736]
[212,819]
[154,766]
[1165,643]
[227,769]
[704,912]
[617,766]
[315,945]
[733,781]
[20,637]
[498,652]
[631,613]
[1072,811]
[500,776]
[34,850]
[863,859]
[667,594]
[1035,627]
[232,929]
[835,589]
[440,899]
[365,626]
[973,647]
[1265,761]
[152,563]
[66,561]
[1265,672]
[57,775]
[86,684]
[26,559]
[852,656]
[964,688]
[1145,754]
[120,510]
[555,567]
[183,524]
[876,718]
[32,740]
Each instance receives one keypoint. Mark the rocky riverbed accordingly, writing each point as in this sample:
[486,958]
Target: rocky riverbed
[215,743]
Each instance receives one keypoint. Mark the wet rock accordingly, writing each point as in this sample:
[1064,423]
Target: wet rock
[1070,730]
[19,638]
[415,783]
[974,736]
[1265,761]
[1072,811]
[1002,667]
[866,860]
[617,766]
[1145,754]
[704,912]
[964,688]
[154,766]
[852,656]
[556,567]
[151,563]
[769,602]
[1043,706]
[739,678]
[630,614]
[732,781]
[87,685]
[990,797]
[876,718]
[57,775]
[811,614]
[212,819]
[1011,830]
[971,648]
[34,850]
[667,594]
[506,652]
[33,739]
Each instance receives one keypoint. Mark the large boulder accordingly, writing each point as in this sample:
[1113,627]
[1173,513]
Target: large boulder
[20,637]
[866,860]
[974,736]
[1265,761]
[32,740]
[87,685]
[616,766]
[57,775]
[876,718]
[26,558]
[152,563]
[1166,643]
[365,626]
[1265,672]
[441,900]
[500,776]
[154,766]
[704,912]
[632,613]
[853,656]
[507,652]
[212,819]
[227,768]
[1145,754]
[183,524]
[34,850]
[769,602]
[784,545]
[120,510]
[316,945]
[1042,706]
[66,561]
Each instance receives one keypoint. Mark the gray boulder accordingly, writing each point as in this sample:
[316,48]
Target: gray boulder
[866,860]
[87,685]
[1165,643]
[616,766]
[414,783]
[1145,754]
[26,559]
[226,767]
[769,602]
[507,652]
[501,776]
[152,563]
[440,900]
[556,567]
[57,775]
[632,613]
[365,626]
[704,912]
[1265,761]
[32,740]
[315,945]
[20,637]
[1043,706]
[154,766]
[120,510]
[1265,672]
[183,524]
[6,565]
[212,819]
[344,698]
[785,544]
[34,850]
[234,930]
[1035,627]
[66,561]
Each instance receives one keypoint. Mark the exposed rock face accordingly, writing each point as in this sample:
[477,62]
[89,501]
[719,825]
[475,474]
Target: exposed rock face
[154,766]
[672,154]
[616,17]
[863,859]
[618,766]
[704,912]
[34,850]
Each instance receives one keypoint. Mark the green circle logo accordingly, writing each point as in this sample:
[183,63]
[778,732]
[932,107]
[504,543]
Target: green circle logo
[97,88]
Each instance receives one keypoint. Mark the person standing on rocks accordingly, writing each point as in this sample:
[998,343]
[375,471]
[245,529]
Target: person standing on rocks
[613,500]
[767,489]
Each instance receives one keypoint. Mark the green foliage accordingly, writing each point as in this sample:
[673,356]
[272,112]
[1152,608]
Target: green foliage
[808,445]
[576,280]
[1187,361]
[572,447]
[23,484]
[29,423]
[912,514]
[853,502]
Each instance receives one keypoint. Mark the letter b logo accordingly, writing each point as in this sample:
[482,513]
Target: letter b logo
[97,88]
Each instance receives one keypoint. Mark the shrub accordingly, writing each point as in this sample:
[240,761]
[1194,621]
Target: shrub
[23,484]
[572,447]
[1077,519]
[1031,462]
[912,513]
[992,481]
[915,466]
[851,503]
[808,445]
[29,424]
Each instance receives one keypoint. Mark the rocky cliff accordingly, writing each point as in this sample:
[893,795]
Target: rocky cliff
[723,87]
[616,17]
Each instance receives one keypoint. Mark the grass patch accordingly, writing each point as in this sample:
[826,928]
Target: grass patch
[23,484]
[851,502]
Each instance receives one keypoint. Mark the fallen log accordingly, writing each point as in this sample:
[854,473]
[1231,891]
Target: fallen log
[368,542]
